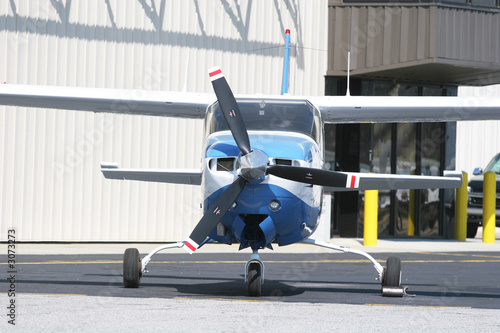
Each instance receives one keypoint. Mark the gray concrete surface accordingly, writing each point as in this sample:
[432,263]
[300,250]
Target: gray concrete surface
[53,313]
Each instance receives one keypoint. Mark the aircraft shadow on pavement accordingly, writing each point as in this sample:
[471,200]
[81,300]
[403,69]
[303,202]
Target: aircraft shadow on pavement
[270,288]
[175,286]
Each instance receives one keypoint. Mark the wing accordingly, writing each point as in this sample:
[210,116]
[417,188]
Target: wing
[390,109]
[189,177]
[374,181]
[334,109]
[140,102]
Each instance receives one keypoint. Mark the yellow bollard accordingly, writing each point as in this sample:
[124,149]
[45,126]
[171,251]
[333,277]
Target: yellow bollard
[370,233]
[489,198]
[461,210]
[411,211]
[411,214]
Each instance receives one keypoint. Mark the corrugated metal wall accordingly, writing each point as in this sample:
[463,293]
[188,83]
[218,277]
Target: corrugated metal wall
[477,141]
[477,30]
[378,36]
[51,188]
[397,36]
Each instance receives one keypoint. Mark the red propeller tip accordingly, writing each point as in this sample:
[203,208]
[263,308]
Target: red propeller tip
[215,73]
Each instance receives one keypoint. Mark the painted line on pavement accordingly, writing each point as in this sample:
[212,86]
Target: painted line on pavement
[339,261]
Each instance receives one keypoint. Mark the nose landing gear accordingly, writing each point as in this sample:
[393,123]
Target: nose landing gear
[254,275]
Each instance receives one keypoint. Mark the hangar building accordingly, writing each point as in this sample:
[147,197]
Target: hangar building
[51,187]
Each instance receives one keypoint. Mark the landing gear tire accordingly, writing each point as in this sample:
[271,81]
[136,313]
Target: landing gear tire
[132,268]
[392,273]
[472,230]
[254,284]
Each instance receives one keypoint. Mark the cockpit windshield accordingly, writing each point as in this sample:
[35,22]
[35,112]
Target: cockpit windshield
[270,115]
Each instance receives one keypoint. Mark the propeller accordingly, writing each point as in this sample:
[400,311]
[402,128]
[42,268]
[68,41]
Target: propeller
[254,166]
[234,120]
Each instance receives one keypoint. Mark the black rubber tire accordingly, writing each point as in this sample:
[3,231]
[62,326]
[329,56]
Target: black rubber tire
[472,229]
[392,273]
[254,284]
[131,268]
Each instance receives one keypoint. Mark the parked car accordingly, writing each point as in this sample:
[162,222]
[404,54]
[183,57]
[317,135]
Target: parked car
[475,188]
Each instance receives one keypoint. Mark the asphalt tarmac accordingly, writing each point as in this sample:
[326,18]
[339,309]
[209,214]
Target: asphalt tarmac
[437,279]
[317,290]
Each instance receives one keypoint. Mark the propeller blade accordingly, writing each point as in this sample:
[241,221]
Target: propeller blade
[230,110]
[309,175]
[214,214]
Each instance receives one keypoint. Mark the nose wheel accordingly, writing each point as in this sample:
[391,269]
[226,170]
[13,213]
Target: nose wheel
[254,275]
[254,283]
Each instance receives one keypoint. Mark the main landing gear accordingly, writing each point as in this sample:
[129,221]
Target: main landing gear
[134,267]
[390,275]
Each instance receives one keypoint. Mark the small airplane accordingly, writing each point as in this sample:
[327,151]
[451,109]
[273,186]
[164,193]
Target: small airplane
[262,172]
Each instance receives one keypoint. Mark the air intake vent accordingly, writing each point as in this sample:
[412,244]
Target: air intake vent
[225,164]
[282,161]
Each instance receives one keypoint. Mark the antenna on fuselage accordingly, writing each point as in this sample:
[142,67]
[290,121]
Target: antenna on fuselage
[286,64]
[348,91]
